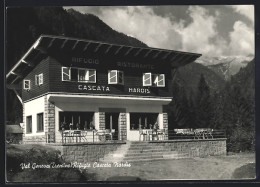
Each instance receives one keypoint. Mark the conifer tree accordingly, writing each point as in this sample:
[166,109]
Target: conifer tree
[203,104]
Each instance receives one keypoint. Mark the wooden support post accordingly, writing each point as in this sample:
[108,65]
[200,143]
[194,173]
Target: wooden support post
[18,96]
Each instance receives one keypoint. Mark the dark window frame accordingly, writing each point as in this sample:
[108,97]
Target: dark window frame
[87,120]
[145,119]
[28,125]
[42,122]
[28,84]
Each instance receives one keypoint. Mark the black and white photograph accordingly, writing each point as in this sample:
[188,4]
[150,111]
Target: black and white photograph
[130,93]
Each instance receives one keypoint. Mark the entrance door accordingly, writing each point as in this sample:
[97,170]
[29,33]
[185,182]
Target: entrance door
[112,123]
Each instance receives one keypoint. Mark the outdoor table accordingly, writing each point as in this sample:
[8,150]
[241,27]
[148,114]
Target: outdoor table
[78,135]
[71,134]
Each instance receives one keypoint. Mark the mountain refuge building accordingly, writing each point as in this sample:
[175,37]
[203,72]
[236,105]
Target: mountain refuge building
[70,84]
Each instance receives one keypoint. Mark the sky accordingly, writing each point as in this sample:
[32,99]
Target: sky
[211,30]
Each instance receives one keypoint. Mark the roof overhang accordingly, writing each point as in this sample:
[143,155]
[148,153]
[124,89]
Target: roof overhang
[46,43]
[108,99]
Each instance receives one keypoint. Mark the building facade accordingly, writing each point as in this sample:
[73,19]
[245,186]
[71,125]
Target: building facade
[70,83]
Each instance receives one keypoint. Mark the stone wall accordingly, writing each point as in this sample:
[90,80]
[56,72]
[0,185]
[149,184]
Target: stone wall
[165,124]
[49,121]
[102,121]
[122,126]
[34,139]
[49,111]
[91,152]
[195,148]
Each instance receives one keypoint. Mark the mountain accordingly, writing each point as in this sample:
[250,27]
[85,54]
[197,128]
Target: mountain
[189,77]
[225,66]
[245,79]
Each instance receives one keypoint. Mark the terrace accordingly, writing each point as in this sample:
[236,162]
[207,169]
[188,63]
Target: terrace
[110,135]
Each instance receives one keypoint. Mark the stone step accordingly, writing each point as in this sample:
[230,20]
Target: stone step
[116,155]
[149,154]
[149,150]
[142,157]
[146,147]
[153,157]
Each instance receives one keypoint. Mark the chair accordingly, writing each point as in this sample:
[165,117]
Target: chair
[84,136]
[108,134]
[68,135]
[161,133]
[113,131]
[153,133]
[142,133]
[77,135]
[199,133]
[208,133]
[101,135]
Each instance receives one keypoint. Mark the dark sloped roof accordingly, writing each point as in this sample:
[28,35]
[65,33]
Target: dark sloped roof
[14,129]
[46,43]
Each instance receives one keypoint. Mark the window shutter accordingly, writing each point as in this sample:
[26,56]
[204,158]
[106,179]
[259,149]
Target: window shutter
[147,80]
[92,75]
[161,80]
[112,77]
[65,74]
[40,79]
[36,80]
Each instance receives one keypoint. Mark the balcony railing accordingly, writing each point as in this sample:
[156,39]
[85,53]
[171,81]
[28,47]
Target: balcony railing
[162,134]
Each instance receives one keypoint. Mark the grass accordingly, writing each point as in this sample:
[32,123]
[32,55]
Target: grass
[209,168]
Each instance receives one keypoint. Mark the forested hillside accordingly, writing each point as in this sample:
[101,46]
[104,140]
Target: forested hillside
[229,105]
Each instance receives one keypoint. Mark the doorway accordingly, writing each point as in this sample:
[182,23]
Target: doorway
[111,123]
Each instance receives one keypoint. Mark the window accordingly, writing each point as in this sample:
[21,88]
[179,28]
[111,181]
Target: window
[156,80]
[87,75]
[26,84]
[39,79]
[115,77]
[40,122]
[29,124]
[79,120]
[143,120]
[78,74]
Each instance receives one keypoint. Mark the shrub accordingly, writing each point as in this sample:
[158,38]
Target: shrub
[40,155]
[247,171]
[240,140]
